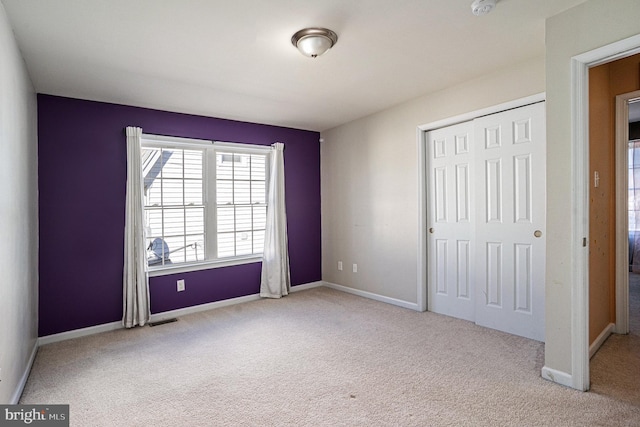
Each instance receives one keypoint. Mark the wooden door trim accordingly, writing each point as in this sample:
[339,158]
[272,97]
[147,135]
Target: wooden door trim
[578,377]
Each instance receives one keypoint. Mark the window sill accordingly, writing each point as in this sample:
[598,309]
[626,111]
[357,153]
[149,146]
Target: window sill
[204,265]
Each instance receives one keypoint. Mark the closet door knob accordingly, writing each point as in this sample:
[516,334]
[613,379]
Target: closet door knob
[537,233]
[431,230]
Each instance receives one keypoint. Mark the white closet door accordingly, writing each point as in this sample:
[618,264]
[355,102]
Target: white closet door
[510,164]
[450,218]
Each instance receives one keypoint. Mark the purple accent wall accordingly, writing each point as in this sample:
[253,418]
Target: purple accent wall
[82,175]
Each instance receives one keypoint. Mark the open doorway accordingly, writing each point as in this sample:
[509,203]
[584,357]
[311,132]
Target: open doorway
[633,189]
[581,98]
[613,220]
[615,368]
[614,226]
[634,217]
[627,204]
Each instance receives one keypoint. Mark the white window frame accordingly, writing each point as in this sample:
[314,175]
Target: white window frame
[209,194]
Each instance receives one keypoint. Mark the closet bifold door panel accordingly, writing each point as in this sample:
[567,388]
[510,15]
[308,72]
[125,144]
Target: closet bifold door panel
[497,258]
[510,158]
[451,217]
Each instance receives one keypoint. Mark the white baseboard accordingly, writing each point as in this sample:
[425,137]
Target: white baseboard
[307,286]
[370,295]
[224,303]
[558,377]
[597,343]
[157,317]
[77,333]
[25,375]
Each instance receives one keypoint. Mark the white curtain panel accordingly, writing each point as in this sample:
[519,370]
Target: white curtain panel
[136,309]
[275,281]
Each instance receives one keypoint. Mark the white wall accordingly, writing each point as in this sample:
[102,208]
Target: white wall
[586,27]
[18,216]
[369,182]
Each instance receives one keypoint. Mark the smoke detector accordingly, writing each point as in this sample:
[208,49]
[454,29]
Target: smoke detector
[482,7]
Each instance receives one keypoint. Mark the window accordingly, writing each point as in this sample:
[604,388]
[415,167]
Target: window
[634,185]
[205,203]
[634,205]
[241,203]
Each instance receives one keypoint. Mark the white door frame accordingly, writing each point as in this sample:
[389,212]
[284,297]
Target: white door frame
[580,65]
[422,177]
[622,218]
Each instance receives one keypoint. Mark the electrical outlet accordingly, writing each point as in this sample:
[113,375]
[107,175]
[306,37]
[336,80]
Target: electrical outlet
[180,285]
[355,268]
[339,265]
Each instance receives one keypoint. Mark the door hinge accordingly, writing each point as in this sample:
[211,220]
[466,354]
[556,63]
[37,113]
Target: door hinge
[584,242]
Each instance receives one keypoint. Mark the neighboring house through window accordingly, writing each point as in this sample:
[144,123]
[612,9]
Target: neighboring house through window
[205,203]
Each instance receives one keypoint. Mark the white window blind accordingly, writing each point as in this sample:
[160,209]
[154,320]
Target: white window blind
[204,201]
[174,205]
[241,203]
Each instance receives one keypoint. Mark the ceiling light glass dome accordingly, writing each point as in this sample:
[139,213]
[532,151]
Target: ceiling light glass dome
[313,42]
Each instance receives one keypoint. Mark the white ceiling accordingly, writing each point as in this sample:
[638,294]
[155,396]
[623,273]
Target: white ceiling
[234,59]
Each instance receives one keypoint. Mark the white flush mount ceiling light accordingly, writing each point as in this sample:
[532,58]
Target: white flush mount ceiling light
[313,42]
[482,7]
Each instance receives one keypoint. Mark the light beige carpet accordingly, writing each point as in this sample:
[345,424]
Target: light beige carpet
[315,358]
[615,368]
